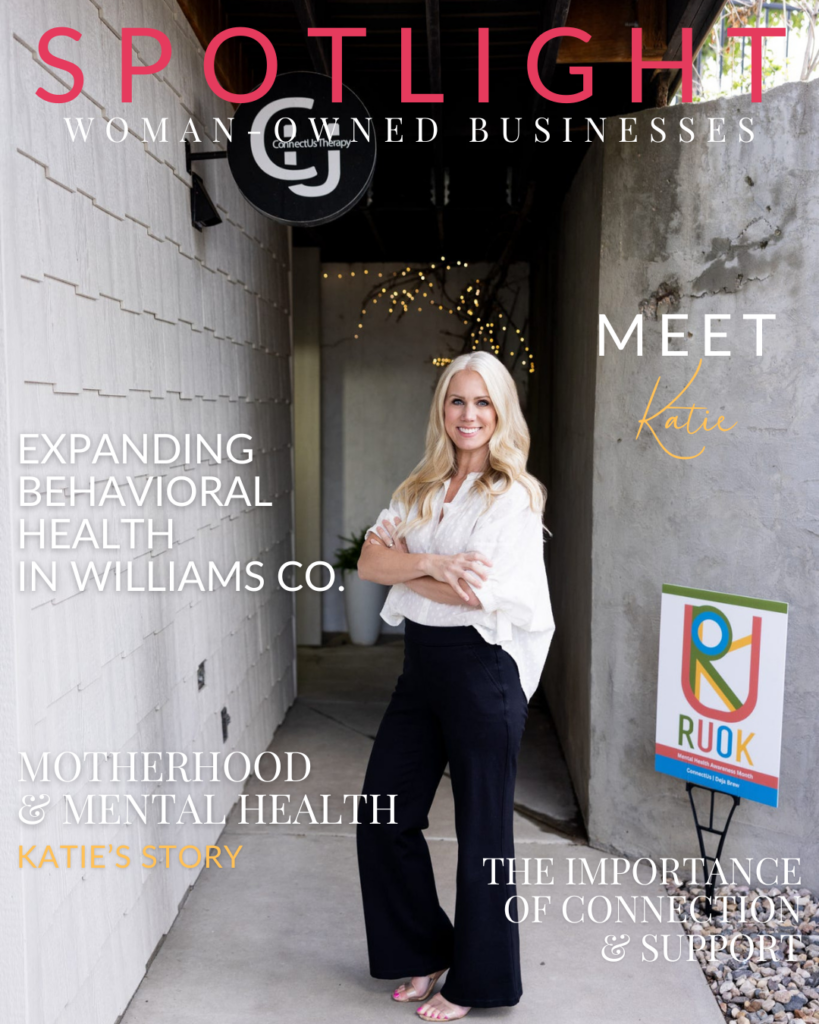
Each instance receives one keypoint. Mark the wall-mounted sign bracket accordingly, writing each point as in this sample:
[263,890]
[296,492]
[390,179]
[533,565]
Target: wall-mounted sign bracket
[203,210]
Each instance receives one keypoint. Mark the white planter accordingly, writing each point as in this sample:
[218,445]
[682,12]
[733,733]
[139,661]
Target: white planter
[363,601]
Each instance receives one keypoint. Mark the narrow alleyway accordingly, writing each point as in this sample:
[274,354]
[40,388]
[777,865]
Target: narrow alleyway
[282,936]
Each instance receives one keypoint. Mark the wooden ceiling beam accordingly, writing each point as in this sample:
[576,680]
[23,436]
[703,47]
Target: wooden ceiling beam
[698,15]
[207,18]
[433,13]
[554,15]
[609,24]
[434,44]
[308,18]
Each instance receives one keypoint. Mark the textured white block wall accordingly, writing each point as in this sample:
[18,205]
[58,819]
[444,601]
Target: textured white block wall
[119,317]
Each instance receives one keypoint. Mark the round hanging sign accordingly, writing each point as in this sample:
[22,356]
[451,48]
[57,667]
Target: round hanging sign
[299,158]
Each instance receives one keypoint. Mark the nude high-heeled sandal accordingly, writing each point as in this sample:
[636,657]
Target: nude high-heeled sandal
[443,1017]
[421,999]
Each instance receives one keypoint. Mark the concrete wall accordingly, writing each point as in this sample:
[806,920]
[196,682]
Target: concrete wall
[733,227]
[569,383]
[376,392]
[118,316]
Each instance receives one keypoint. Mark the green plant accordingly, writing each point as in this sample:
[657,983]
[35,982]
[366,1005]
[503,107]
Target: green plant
[723,67]
[347,558]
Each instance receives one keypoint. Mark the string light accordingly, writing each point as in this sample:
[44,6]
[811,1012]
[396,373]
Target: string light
[482,324]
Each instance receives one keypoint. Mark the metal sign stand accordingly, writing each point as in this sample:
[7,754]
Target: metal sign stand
[702,828]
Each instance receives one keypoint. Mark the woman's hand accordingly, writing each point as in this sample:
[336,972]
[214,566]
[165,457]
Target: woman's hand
[386,533]
[470,566]
[459,572]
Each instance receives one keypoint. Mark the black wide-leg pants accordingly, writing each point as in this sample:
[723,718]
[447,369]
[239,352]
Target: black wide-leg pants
[458,700]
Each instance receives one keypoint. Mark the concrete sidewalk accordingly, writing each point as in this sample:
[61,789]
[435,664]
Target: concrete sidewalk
[282,936]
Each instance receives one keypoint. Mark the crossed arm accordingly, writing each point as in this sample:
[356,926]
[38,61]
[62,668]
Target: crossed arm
[447,579]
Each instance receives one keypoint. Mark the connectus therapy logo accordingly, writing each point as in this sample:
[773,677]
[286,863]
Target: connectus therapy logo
[299,158]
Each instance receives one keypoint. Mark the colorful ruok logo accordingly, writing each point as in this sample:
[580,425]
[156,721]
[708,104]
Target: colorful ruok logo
[698,660]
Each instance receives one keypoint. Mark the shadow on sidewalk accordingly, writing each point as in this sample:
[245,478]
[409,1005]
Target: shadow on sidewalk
[281,936]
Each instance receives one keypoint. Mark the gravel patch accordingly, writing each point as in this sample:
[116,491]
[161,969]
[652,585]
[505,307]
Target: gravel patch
[778,986]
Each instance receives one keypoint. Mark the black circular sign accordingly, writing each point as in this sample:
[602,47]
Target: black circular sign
[299,158]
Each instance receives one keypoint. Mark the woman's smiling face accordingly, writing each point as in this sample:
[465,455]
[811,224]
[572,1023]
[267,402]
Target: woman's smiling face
[469,416]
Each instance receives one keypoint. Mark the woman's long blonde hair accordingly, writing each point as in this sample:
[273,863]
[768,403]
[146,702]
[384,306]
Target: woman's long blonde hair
[508,445]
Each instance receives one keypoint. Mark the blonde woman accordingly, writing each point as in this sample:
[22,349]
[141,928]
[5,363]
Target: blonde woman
[462,546]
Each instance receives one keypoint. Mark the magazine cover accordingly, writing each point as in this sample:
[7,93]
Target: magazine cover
[409,462]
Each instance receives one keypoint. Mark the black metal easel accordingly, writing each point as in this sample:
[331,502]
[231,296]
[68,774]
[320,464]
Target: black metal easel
[702,829]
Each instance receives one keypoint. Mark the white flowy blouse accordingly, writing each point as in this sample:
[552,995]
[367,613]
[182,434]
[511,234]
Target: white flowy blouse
[516,611]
